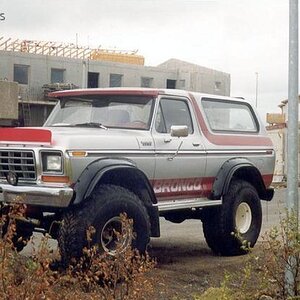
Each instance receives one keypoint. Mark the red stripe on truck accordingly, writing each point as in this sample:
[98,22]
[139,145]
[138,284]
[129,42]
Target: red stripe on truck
[195,187]
[84,92]
[228,140]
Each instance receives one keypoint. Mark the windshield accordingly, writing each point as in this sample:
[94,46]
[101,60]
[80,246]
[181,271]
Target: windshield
[131,112]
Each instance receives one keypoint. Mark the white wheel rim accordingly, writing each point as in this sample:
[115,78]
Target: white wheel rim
[243,218]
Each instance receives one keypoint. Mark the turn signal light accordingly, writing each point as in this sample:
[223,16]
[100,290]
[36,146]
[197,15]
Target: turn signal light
[56,179]
[78,153]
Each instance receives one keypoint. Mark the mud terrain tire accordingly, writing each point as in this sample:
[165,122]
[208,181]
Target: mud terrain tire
[102,210]
[238,219]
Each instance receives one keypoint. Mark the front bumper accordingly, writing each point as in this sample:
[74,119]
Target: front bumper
[36,195]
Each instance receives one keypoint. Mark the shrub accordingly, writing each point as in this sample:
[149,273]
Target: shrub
[281,249]
[263,276]
[94,276]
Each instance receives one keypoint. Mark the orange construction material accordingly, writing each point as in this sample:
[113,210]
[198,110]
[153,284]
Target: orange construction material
[125,58]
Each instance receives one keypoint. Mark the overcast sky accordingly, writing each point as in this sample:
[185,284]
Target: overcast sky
[240,37]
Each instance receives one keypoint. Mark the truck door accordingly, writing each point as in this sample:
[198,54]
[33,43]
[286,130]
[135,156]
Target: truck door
[180,161]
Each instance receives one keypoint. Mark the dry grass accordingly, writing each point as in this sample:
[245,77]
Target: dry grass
[94,276]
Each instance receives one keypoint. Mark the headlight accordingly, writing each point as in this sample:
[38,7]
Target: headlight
[52,162]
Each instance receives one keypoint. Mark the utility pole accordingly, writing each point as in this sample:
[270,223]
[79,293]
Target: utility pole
[292,153]
[256,88]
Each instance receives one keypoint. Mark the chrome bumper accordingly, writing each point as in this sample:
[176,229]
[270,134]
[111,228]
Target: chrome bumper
[36,195]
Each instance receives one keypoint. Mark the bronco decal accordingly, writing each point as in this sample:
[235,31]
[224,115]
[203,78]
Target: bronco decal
[182,187]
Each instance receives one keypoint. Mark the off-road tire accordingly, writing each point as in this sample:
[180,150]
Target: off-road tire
[107,201]
[219,224]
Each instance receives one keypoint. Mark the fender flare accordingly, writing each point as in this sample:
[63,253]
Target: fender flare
[89,177]
[92,174]
[98,169]
[240,167]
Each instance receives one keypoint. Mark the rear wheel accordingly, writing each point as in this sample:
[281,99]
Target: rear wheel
[102,212]
[235,224]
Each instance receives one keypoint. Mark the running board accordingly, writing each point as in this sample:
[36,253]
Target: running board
[186,204]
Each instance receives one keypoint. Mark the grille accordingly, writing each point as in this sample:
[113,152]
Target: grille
[18,161]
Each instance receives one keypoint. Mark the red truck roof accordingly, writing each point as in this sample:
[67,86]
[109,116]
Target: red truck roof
[107,91]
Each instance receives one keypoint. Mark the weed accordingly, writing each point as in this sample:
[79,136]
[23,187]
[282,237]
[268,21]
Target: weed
[264,275]
[94,276]
[280,244]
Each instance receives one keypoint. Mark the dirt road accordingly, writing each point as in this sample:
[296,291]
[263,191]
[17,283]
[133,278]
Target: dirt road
[187,264]
[189,233]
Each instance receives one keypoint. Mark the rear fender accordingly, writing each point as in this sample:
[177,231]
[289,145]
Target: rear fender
[240,168]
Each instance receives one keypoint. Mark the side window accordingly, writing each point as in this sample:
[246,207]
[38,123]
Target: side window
[21,74]
[225,115]
[173,112]
[115,80]
[57,75]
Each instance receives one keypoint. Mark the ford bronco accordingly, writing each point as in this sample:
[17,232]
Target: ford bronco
[148,153]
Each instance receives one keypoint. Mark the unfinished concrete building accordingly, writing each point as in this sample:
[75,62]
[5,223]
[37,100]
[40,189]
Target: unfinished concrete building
[39,67]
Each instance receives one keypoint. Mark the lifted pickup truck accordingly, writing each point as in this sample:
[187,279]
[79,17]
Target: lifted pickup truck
[147,153]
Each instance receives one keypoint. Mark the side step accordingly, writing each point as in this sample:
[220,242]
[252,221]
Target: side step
[186,204]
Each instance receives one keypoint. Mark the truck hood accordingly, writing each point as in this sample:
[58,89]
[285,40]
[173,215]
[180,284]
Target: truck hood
[71,138]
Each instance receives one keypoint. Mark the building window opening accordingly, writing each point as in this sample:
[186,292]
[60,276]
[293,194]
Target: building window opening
[93,80]
[115,80]
[171,84]
[57,75]
[21,74]
[146,82]
[218,85]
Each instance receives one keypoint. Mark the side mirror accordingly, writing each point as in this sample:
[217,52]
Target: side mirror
[179,130]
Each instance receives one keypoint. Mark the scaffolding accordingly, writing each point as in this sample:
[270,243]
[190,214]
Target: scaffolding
[70,50]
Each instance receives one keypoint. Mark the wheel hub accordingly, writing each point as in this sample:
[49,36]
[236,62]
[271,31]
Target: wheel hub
[114,237]
[243,217]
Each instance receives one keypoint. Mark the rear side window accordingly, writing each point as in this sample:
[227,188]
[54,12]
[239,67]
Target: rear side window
[231,116]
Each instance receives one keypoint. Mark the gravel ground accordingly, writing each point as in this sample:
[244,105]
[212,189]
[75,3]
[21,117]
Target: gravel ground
[186,266]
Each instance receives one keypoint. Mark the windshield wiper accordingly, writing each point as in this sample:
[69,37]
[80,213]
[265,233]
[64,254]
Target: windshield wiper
[60,125]
[91,124]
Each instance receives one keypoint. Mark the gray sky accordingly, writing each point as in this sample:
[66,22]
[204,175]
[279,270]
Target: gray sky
[239,37]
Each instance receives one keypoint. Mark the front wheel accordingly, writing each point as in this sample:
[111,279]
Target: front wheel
[103,212]
[235,226]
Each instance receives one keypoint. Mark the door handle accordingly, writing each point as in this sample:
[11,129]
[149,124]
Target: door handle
[167,140]
[196,144]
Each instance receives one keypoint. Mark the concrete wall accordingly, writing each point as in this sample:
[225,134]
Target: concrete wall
[8,101]
[202,79]
[198,78]
[187,76]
